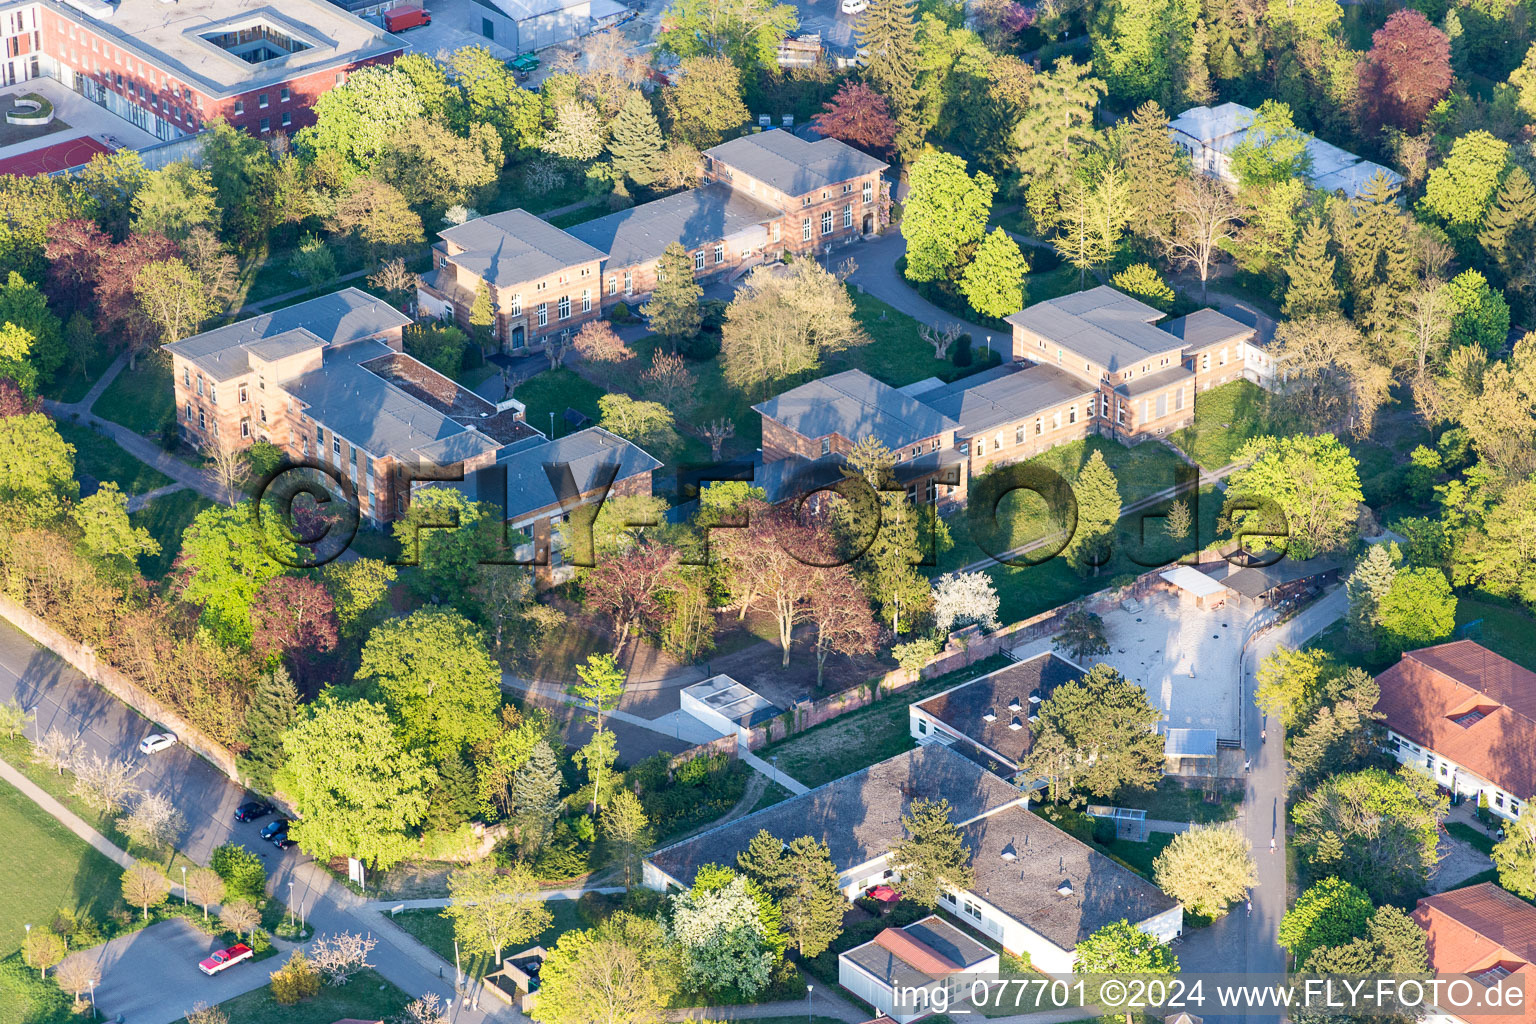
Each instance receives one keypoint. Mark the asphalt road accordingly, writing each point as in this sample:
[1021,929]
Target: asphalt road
[153,973]
[153,967]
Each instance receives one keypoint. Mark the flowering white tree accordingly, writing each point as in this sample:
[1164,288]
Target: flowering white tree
[721,933]
[341,955]
[104,783]
[429,1009]
[155,821]
[961,598]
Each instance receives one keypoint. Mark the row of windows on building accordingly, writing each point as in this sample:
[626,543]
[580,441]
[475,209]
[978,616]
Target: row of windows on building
[1443,772]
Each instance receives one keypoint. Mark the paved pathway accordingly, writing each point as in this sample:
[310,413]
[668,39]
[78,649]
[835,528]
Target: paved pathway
[252,308]
[1243,940]
[1163,825]
[673,724]
[64,699]
[68,818]
[138,501]
[823,1001]
[878,276]
[1206,477]
[146,451]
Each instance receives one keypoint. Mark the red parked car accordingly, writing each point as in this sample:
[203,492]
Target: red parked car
[226,958]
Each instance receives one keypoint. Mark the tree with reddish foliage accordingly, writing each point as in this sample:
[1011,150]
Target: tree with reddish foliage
[1406,73]
[294,618]
[778,562]
[119,267]
[74,250]
[13,402]
[627,587]
[858,116]
[841,616]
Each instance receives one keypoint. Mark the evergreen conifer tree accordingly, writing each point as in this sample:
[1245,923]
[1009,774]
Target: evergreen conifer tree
[1378,258]
[888,31]
[1098,511]
[673,310]
[1312,291]
[636,140]
[273,709]
[1508,236]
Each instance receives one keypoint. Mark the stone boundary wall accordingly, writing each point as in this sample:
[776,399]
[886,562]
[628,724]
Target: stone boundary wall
[84,659]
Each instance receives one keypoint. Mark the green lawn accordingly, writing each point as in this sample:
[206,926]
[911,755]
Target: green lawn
[1503,629]
[1173,802]
[166,518]
[1478,840]
[70,384]
[1138,856]
[554,391]
[429,927]
[1225,418]
[366,997]
[140,399]
[102,459]
[46,867]
[860,738]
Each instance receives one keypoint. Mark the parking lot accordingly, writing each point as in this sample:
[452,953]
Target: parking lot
[151,976]
[1185,657]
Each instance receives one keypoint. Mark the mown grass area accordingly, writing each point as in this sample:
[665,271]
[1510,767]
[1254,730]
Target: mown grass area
[99,458]
[1502,628]
[1225,419]
[1476,838]
[1140,545]
[71,383]
[46,868]
[1173,802]
[861,738]
[140,398]
[367,996]
[554,391]
[430,928]
[167,518]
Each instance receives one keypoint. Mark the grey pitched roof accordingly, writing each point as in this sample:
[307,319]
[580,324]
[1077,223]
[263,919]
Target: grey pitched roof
[855,405]
[782,479]
[696,217]
[587,453]
[792,165]
[1207,327]
[1102,324]
[335,319]
[374,415]
[1004,394]
[964,708]
[1026,885]
[858,815]
[514,246]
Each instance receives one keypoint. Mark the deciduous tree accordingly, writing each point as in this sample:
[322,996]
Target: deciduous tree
[1329,913]
[1407,72]
[1374,829]
[745,32]
[783,323]
[614,972]
[993,282]
[145,886]
[492,908]
[1207,868]
[625,825]
[842,619]
[358,790]
[706,101]
[859,116]
[1459,190]
[651,425]
[1205,217]
[1313,482]
[945,216]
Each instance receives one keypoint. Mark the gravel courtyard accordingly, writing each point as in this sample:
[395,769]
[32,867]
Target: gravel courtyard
[1185,657]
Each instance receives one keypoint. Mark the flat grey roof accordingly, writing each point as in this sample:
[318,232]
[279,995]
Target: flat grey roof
[1207,327]
[1021,862]
[336,319]
[858,815]
[992,398]
[586,454]
[170,36]
[964,708]
[792,165]
[855,405]
[1256,581]
[1190,743]
[1155,380]
[514,246]
[1101,324]
[726,696]
[696,217]
[371,413]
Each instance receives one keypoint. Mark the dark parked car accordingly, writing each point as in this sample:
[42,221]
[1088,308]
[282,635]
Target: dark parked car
[252,809]
[282,842]
[275,827]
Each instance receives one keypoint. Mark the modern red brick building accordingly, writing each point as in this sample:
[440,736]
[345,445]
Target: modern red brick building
[764,195]
[172,67]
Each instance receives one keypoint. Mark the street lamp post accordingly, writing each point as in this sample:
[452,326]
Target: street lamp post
[290,902]
[808,1004]
[184,885]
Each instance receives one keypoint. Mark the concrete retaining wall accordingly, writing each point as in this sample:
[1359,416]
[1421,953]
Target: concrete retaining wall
[83,658]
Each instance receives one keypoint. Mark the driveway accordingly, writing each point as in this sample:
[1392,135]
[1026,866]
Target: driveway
[66,700]
[876,274]
[151,976]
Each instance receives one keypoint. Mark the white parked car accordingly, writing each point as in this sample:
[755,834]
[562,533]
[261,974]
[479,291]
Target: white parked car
[855,6]
[156,741]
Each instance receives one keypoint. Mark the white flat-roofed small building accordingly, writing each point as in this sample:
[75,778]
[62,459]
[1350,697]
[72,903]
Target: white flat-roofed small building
[727,706]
